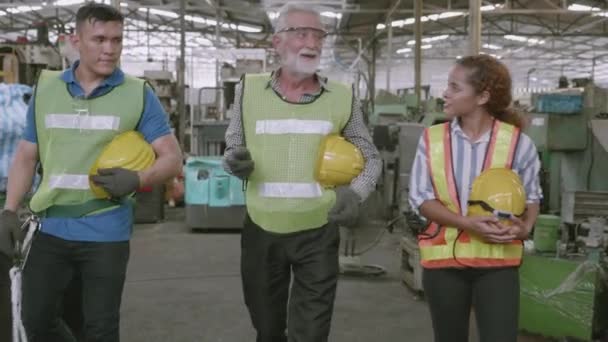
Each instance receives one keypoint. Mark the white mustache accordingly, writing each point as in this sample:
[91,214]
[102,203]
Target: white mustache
[308,52]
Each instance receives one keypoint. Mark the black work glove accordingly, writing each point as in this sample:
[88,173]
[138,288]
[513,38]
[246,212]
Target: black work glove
[118,182]
[346,209]
[239,162]
[10,233]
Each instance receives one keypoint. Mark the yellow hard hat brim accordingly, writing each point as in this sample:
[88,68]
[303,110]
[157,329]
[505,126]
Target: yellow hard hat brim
[128,150]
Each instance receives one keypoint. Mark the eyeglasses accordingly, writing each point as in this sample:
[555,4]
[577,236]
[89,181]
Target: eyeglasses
[498,213]
[303,32]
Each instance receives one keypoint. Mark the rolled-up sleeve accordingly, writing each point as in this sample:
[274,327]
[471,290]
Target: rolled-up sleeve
[234,133]
[527,166]
[358,134]
[421,186]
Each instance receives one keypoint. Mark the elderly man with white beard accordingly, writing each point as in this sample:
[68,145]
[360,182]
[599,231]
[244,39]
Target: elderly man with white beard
[291,228]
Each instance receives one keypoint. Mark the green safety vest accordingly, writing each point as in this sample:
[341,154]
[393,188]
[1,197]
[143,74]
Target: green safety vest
[72,133]
[283,138]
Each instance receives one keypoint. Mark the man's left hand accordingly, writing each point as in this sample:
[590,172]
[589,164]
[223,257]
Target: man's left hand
[118,182]
[346,210]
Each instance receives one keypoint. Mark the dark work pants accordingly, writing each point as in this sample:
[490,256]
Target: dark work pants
[52,265]
[5,300]
[493,293]
[268,261]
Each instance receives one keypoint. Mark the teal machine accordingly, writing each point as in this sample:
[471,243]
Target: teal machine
[563,276]
[214,199]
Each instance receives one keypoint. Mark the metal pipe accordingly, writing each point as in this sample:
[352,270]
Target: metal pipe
[418,52]
[389,58]
[474,27]
[181,76]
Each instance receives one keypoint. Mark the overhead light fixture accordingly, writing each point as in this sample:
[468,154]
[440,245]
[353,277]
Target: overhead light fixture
[2,13]
[490,54]
[429,39]
[195,19]
[492,46]
[211,22]
[582,8]
[431,17]
[404,50]
[531,41]
[68,2]
[585,8]
[516,38]
[249,29]
[331,14]
[158,12]
[491,7]
[124,4]
[458,57]
[425,47]
[23,9]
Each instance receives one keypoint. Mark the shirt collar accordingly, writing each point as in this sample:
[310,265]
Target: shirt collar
[457,130]
[115,79]
[274,80]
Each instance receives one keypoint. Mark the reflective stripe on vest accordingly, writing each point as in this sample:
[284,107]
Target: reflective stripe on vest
[438,246]
[290,190]
[82,121]
[293,126]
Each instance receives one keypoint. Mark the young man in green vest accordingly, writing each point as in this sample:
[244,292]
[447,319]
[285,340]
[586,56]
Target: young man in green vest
[292,223]
[72,117]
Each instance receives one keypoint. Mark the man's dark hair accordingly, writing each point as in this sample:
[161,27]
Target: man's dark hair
[93,12]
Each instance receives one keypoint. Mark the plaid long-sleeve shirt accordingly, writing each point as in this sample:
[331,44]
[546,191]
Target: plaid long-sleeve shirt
[355,131]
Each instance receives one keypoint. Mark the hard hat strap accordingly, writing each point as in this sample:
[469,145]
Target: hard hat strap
[498,213]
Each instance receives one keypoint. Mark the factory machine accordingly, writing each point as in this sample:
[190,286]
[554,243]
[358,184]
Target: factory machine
[214,199]
[563,275]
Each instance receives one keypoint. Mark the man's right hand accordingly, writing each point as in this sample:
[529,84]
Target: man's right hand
[240,162]
[487,227]
[10,232]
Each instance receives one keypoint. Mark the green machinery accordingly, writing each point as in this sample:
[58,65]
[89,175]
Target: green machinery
[563,288]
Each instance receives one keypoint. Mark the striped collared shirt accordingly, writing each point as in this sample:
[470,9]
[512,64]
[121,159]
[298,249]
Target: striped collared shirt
[355,131]
[467,159]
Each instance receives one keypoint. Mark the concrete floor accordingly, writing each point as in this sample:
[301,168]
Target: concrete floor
[185,286]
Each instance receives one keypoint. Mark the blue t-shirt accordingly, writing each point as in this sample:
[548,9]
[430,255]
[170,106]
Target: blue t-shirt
[116,224]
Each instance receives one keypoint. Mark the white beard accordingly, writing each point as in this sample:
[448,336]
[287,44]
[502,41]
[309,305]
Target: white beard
[301,65]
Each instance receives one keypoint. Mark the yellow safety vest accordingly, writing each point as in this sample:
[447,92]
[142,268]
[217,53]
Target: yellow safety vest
[443,247]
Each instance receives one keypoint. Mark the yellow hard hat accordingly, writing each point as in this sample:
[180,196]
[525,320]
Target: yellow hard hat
[338,162]
[497,192]
[128,150]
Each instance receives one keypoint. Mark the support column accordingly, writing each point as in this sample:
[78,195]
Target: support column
[418,52]
[474,27]
[181,75]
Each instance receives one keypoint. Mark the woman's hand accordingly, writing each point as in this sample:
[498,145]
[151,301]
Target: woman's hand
[489,229]
[518,228]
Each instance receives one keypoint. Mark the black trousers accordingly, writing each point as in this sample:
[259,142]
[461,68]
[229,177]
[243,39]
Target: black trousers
[51,267]
[5,300]
[493,293]
[270,261]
